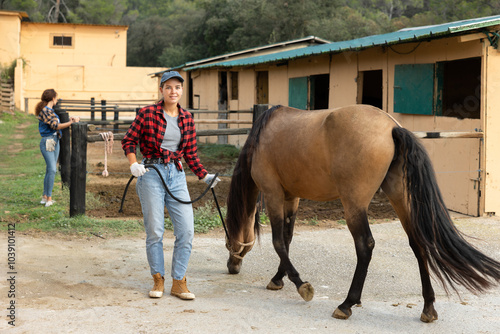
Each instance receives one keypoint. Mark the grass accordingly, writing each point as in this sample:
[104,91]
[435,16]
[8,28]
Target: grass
[218,152]
[21,184]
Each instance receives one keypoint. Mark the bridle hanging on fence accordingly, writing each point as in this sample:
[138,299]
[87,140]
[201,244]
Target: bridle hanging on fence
[108,149]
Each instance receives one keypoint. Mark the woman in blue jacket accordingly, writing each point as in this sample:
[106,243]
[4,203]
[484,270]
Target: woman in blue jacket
[49,126]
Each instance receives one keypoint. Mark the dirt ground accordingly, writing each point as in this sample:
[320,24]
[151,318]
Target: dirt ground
[110,190]
[94,285]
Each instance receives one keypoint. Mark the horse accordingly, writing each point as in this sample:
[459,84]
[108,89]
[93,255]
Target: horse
[348,153]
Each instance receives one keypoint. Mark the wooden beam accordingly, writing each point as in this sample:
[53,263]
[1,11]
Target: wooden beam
[472,37]
[221,121]
[436,135]
[201,133]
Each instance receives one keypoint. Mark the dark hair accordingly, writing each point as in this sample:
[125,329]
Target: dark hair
[47,96]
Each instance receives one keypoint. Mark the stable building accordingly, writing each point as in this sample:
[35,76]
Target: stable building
[79,61]
[442,79]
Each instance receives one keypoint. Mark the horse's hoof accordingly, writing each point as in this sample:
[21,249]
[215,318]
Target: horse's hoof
[274,286]
[338,314]
[428,318]
[306,291]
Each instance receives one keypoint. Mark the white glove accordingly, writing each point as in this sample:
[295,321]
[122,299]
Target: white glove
[137,169]
[208,178]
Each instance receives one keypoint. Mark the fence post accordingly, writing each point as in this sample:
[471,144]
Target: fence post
[115,118]
[258,109]
[222,139]
[78,169]
[103,110]
[92,108]
[65,150]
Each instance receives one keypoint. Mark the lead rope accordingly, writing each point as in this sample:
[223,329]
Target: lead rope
[228,245]
[108,149]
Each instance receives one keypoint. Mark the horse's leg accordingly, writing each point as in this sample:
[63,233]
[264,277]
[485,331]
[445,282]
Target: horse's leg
[357,221]
[393,187]
[290,211]
[275,210]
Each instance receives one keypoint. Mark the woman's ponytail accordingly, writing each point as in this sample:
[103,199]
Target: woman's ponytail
[47,96]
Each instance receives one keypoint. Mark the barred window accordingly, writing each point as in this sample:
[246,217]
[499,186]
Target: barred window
[61,41]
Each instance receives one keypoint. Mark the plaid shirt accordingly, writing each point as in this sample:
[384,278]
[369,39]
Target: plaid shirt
[148,129]
[48,120]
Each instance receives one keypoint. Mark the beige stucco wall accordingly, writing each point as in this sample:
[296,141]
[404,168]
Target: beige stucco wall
[492,127]
[278,85]
[343,75]
[97,45]
[10,33]
[94,67]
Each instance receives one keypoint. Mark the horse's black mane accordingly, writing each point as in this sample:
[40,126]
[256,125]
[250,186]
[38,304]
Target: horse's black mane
[259,124]
[241,182]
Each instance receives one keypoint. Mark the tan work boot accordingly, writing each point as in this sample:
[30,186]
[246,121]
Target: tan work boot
[158,288]
[179,289]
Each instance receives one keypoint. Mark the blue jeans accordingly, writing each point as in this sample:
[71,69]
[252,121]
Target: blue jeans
[51,162]
[154,198]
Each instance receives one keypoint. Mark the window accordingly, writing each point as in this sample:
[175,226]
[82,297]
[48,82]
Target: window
[459,85]
[234,85]
[370,88]
[450,89]
[61,41]
[309,92]
[320,87]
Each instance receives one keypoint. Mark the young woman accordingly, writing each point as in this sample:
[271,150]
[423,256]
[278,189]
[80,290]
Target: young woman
[49,126]
[166,133]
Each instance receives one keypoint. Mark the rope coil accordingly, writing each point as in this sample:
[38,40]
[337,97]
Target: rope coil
[108,149]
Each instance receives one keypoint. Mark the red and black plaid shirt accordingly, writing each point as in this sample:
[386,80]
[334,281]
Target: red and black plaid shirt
[149,128]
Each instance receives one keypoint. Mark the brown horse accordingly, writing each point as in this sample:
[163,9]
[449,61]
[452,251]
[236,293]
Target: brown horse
[348,153]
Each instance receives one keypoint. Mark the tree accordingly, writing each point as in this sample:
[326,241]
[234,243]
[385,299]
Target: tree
[99,11]
[172,32]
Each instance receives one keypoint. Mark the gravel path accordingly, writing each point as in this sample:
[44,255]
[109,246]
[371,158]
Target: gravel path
[100,286]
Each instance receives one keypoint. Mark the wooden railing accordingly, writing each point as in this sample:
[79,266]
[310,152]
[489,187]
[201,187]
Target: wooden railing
[73,153]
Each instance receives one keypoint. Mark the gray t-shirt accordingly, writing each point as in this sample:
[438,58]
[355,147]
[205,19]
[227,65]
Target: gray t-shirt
[172,137]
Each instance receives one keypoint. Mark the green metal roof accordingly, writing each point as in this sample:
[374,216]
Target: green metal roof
[401,36]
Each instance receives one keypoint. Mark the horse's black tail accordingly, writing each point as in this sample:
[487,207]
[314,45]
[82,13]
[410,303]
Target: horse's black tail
[450,257]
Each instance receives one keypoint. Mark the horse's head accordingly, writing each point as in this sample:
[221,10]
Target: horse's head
[242,229]
[237,250]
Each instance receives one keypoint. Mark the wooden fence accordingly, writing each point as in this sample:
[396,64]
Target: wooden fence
[73,153]
[7,95]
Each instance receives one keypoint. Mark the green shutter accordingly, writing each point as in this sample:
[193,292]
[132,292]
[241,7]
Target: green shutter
[414,89]
[297,93]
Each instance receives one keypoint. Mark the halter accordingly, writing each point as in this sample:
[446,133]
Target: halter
[242,246]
